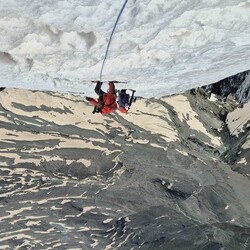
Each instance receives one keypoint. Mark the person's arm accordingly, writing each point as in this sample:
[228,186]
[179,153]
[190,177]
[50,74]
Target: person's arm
[111,88]
[93,101]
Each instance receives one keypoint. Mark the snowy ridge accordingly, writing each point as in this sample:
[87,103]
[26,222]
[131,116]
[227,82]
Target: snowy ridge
[160,47]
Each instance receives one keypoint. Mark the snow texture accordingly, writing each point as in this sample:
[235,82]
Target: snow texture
[161,47]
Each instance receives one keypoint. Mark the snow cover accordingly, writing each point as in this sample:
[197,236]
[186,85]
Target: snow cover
[237,119]
[160,46]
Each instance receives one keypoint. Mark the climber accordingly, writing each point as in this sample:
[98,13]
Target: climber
[125,100]
[106,102]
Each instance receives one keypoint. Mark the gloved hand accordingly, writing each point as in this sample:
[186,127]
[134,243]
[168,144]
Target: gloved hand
[86,98]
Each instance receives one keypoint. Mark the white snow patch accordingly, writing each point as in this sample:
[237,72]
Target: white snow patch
[185,113]
[246,145]
[87,209]
[238,118]
[242,161]
[107,221]
[182,152]
[162,47]
[213,98]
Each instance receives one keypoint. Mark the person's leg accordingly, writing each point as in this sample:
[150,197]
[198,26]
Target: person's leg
[98,90]
[123,98]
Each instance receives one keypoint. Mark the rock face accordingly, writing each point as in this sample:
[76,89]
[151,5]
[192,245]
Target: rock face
[236,85]
[161,177]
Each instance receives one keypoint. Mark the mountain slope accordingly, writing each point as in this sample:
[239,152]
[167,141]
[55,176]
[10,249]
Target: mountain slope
[156,178]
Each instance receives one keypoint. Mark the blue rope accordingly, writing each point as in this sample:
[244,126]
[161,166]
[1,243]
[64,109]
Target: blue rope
[110,38]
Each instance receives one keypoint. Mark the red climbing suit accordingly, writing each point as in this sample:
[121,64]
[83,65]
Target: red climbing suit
[108,100]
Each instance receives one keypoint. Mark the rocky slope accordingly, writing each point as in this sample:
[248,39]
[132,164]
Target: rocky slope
[172,174]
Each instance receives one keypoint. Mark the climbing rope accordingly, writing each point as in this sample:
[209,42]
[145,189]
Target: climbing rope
[110,38]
